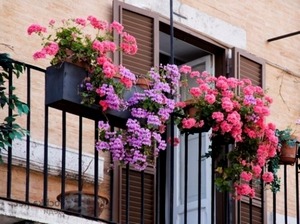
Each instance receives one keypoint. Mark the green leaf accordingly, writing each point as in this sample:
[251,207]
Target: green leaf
[12,136]
[18,135]
[9,130]
[25,108]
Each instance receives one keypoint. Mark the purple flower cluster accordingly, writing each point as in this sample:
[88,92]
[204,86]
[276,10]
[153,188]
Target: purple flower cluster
[127,73]
[88,86]
[130,146]
[112,99]
[141,141]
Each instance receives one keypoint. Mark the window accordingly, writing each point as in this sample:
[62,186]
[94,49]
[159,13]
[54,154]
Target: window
[153,38]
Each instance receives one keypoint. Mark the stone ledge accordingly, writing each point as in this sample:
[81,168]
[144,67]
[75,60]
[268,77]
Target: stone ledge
[12,212]
[54,160]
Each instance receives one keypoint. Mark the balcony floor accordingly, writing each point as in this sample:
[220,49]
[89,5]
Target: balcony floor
[17,213]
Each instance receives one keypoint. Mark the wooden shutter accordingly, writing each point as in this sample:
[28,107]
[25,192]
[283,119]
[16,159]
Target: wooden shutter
[246,65]
[256,217]
[136,207]
[144,26]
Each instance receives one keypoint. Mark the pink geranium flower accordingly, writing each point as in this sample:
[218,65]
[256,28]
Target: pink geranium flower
[236,111]
[268,177]
[188,123]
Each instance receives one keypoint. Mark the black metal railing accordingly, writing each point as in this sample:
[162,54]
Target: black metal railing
[39,179]
[134,197]
[289,199]
[44,178]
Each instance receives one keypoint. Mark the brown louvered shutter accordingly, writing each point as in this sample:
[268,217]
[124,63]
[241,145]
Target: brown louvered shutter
[246,65]
[144,26]
[135,196]
[256,216]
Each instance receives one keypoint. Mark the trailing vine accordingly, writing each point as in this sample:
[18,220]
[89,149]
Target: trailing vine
[9,128]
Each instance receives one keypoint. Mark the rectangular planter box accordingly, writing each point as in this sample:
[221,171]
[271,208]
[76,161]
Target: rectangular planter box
[62,93]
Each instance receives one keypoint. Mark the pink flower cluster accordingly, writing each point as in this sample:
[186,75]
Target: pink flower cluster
[236,111]
[71,42]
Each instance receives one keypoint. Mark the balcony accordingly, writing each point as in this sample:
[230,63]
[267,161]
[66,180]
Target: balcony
[58,157]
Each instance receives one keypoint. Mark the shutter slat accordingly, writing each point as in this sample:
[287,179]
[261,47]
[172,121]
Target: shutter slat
[256,214]
[251,70]
[135,195]
[250,67]
[142,28]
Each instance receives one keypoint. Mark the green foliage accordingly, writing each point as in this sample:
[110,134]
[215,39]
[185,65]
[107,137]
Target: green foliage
[9,129]
[285,135]
[273,166]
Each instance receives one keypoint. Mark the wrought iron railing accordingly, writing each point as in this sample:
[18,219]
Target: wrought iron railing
[36,171]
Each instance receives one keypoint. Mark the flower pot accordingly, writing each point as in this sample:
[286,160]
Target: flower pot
[288,154]
[70,59]
[62,85]
[62,92]
[190,111]
[71,203]
[143,82]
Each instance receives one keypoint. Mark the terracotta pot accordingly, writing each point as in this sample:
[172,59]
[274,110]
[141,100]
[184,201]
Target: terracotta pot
[87,203]
[190,109]
[143,82]
[70,59]
[288,154]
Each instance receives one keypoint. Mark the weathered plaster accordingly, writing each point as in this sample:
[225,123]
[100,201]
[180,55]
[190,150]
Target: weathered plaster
[197,20]
[19,211]
[54,160]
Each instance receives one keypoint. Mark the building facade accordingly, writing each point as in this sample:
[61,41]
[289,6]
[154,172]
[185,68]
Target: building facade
[223,37]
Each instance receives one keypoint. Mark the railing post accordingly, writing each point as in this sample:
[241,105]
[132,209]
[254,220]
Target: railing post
[285,195]
[45,187]
[28,136]
[80,182]
[96,173]
[9,148]
[199,176]
[186,155]
[63,161]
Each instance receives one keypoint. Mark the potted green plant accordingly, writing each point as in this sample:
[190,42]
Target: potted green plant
[288,146]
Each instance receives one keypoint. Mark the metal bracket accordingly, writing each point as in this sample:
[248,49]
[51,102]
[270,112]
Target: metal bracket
[283,36]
